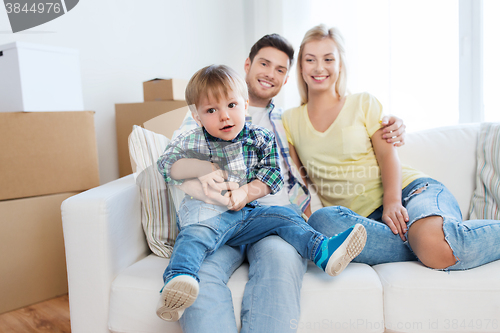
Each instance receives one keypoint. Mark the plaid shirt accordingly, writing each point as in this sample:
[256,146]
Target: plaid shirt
[253,154]
[297,191]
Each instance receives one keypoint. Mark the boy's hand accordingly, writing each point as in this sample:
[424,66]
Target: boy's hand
[193,188]
[394,130]
[211,179]
[237,199]
[396,217]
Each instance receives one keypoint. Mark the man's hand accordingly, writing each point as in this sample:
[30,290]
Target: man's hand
[396,217]
[237,199]
[394,130]
[193,188]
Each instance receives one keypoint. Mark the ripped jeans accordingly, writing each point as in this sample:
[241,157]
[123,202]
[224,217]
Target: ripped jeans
[473,242]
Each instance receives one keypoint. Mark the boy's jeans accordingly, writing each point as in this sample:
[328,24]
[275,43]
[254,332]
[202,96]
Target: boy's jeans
[271,299]
[204,228]
[474,242]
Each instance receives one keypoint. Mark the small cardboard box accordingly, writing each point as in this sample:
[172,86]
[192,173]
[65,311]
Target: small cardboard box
[164,90]
[161,117]
[37,77]
[47,152]
[33,263]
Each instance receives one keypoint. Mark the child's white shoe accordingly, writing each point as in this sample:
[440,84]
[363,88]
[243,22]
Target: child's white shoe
[179,293]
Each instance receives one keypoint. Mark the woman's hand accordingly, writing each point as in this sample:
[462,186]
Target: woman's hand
[394,130]
[396,217]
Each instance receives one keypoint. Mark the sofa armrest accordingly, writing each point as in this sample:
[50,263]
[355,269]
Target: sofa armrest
[103,235]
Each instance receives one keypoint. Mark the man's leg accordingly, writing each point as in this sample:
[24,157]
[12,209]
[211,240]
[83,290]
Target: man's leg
[213,309]
[382,245]
[272,295]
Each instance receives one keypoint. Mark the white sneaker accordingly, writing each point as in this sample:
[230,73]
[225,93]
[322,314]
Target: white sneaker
[179,293]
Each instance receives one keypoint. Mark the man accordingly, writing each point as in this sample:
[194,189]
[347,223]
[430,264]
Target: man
[272,294]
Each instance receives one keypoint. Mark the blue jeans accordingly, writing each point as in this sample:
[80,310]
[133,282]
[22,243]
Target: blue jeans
[272,294]
[473,242]
[203,228]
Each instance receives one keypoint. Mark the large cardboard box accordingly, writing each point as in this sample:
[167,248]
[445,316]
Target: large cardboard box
[32,264]
[160,117]
[164,90]
[47,152]
[37,77]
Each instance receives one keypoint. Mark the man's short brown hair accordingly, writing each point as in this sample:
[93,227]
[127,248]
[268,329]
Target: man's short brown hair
[276,41]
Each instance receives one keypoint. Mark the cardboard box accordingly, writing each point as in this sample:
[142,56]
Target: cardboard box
[161,117]
[164,90]
[39,78]
[47,152]
[33,263]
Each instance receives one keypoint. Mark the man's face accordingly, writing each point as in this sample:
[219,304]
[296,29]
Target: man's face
[265,75]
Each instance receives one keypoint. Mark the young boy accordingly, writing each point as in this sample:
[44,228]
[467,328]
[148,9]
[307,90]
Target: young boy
[224,146]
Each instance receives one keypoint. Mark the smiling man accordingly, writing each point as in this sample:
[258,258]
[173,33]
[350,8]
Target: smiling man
[271,301]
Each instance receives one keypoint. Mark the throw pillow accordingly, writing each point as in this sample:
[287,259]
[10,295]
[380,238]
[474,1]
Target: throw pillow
[157,205]
[486,198]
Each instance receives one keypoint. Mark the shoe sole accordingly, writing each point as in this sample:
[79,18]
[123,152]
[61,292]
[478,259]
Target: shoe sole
[175,297]
[350,249]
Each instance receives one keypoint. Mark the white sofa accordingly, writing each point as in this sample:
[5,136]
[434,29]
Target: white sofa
[114,279]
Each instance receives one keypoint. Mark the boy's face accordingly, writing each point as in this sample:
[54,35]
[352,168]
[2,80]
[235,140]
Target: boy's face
[223,119]
[266,74]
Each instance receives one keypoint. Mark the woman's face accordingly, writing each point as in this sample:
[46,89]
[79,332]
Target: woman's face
[320,65]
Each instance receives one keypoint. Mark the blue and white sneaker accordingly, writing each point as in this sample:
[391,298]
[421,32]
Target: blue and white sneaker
[177,294]
[336,253]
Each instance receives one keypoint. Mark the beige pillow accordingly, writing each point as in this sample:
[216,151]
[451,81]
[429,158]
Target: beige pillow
[157,206]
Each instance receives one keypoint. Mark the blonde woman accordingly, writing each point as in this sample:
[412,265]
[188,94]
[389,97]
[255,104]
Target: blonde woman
[335,138]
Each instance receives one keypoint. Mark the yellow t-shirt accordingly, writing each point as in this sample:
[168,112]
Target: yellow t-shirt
[341,161]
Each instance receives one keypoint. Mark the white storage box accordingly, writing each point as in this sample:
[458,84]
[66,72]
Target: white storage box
[37,77]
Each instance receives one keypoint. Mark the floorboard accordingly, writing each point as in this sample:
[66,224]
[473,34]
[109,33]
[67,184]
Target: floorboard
[49,316]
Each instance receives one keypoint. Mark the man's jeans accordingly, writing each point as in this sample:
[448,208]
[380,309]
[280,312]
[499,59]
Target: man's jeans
[271,298]
[473,242]
[204,228]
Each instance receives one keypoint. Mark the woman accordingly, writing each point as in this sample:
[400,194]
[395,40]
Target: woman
[335,140]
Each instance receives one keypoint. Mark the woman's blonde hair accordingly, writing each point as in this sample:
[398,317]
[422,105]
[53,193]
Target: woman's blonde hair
[320,32]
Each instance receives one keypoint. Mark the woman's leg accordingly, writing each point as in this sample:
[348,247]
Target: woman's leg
[382,246]
[437,234]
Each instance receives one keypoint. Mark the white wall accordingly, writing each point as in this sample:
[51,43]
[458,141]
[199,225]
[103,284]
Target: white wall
[125,42]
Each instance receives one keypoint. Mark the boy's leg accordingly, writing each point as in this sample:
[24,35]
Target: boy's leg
[272,295]
[332,255]
[214,273]
[203,228]
[382,246]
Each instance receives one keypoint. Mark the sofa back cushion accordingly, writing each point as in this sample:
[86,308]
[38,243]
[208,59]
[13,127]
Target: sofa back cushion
[485,202]
[447,154]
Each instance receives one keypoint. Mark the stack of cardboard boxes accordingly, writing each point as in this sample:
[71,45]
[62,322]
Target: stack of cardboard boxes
[46,156]
[162,112]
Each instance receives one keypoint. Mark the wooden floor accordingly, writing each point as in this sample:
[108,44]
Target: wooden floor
[49,316]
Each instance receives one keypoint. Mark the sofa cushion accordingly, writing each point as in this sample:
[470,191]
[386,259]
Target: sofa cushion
[486,199]
[157,207]
[350,302]
[419,299]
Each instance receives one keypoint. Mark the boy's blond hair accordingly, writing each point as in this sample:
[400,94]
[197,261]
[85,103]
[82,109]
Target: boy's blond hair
[214,81]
